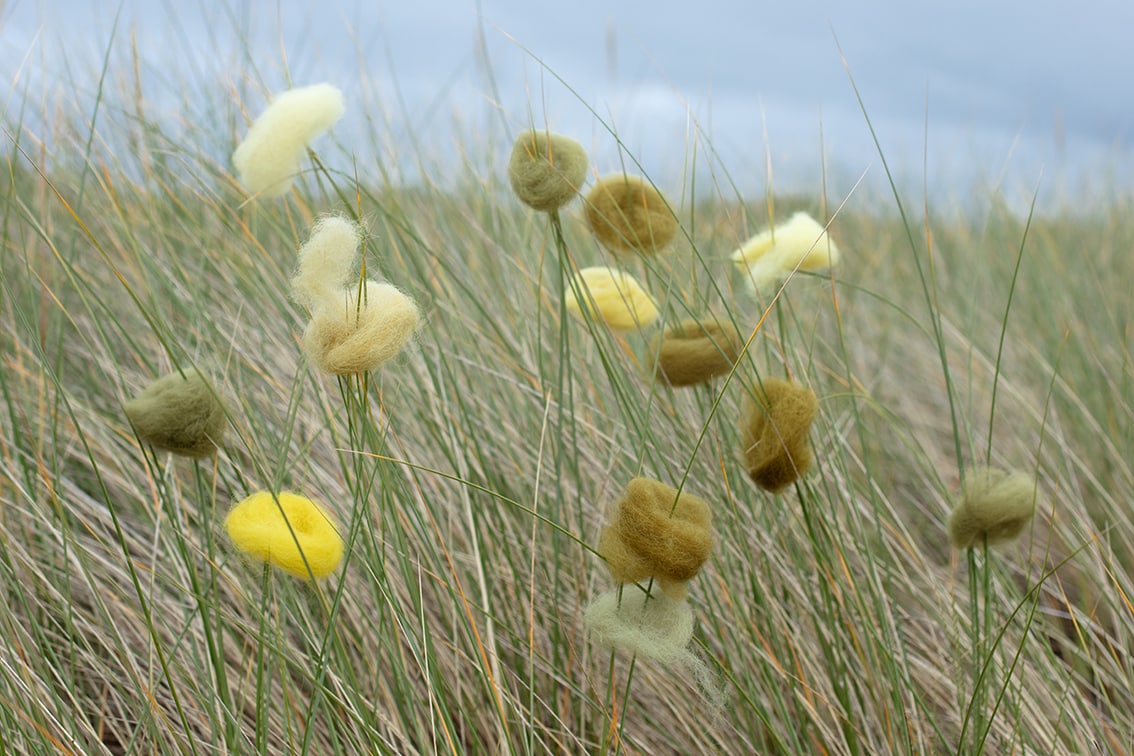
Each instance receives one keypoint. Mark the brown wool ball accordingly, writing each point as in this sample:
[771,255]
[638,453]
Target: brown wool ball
[645,540]
[627,214]
[179,414]
[546,170]
[696,351]
[775,430]
[995,506]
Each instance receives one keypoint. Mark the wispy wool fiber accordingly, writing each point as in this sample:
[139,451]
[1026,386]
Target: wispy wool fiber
[179,414]
[775,433]
[546,170]
[613,296]
[995,506]
[259,526]
[656,533]
[327,260]
[696,351]
[656,627]
[771,255]
[627,214]
[269,157]
[346,337]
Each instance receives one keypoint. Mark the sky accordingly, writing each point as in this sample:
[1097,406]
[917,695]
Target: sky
[968,95]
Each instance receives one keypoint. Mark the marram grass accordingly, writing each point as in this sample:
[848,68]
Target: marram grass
[467,477]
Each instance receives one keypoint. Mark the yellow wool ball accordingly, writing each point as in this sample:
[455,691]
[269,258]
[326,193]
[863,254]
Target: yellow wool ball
[546,170]
[627,214]
[613,296]
[771,255]
[259,526]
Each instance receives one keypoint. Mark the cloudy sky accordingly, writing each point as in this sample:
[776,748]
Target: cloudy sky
[984,93]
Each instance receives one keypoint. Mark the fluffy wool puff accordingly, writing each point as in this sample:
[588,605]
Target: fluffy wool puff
[259,526]
[327,260]
[179,414]
[656,533]
[344,338]
[546,170]
[613,296]
[771,255]
[627,214]
[995,507]
[775,433]
[269,157]
[656,627]
[696,351]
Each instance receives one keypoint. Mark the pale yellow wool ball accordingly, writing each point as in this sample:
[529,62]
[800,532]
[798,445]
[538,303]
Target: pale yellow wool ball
[270,155]
[628,214]
[546,170]
[288,531]
[657,627]
[344,338]
[327,260]
[995,506]
[800,243]
[613,296]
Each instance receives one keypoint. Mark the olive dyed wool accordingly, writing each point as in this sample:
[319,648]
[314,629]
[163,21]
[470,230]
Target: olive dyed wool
[995,507]
[696,351]
[776,426]
[270,155]
[344,337]
[546,170]
[649,536]
[627,214]
[179,414]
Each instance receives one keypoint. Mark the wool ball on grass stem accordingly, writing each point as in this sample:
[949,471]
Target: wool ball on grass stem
[775,433]
[995,507]
[610,295]
[696,351]
[351,337]
[546,170]
[656,533]
[269,157]
[179,413]
[801,243]
[287,531]
[327,260]
[627,214]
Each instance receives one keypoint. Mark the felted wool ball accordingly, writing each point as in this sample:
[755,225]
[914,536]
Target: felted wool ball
[546,170]
[627,214]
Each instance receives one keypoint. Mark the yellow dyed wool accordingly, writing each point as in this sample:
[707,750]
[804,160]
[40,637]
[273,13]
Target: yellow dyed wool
[269,157]
[613,296]
[696,351]
[771,255]
[343,339]
[546,170]
[327,260]
[995,507]
[179,414]
[259,526]
[775,433]
[649,536]
[627,214]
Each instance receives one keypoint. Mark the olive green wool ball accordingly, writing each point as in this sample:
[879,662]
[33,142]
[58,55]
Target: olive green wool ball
[546,170]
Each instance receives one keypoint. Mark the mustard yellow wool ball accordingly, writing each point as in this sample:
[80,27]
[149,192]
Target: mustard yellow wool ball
[696,351]
[775,432]
[546,170]
[627,214]
[259,527]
